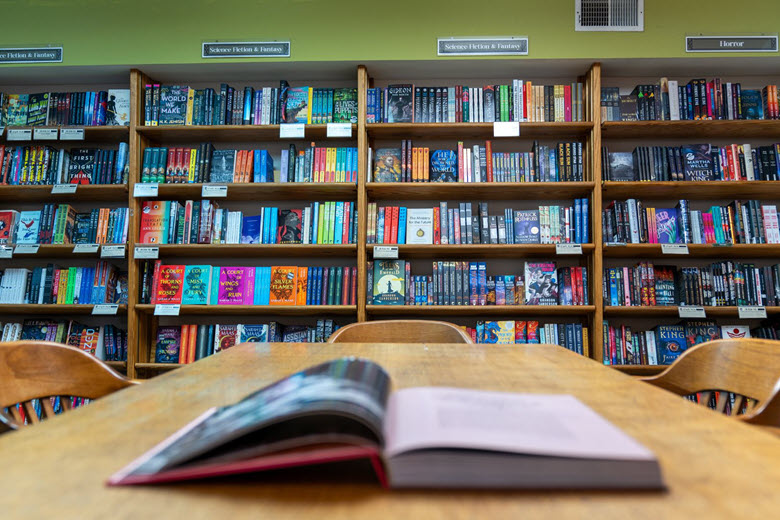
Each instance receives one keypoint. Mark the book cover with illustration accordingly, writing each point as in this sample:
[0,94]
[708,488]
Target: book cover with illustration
[154,222]
[345,107]
[283,285]
[296,107]
[700,332]
[167,345]
[225,336]
[697,162]
[250,229]
[118,107]
[621,166]
[444,166]
[667,226]
[253,333]
[197,285]
[295,333]
[82,165]
[37,109]
[170,284]
[173,105]
[752,104]
[526,229]
[38,330]
[28,227]
[400,103]
[387,165]
[389,282]
[289,229]
[541,284]
[223,166]
[670,341]
[734,331]
[16,110]
[236,286]
[419,226]
[8,219]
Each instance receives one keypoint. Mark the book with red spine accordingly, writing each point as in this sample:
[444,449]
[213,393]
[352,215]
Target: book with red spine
[567,103]
[169,284]
[155,280]
[353,289]
[170,165]
[393,225]
[344,300]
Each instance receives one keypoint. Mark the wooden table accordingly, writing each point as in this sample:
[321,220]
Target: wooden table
[715,467]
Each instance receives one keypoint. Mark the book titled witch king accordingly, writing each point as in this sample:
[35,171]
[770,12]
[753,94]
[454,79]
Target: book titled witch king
[342,413]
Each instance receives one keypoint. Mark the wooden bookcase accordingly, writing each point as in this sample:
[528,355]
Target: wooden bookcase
[140,321]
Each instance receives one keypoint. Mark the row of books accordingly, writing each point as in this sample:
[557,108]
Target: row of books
[34,165]
[662,344]
[105,342]
[723,283]
[62,224]
[390,282]
[740,222]
[560,163]
[573,336]
[693,162]
[180,105]
[699,99]
[240,285]
[92,108]
[519,101]
[204,222]
[72,285]
[188,343]
[462,225]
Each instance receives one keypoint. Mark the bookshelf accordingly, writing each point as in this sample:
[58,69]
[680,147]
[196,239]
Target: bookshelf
[141,323]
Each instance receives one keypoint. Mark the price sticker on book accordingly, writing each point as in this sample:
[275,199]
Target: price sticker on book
[674,249]
[106,309]
[506,129]
[72,134]
[86,248]
[568,249]
[45,134]
[747,312]
[19,134]
[339,130]
[112,252]
[690,311]
[6,252]
[389,252]
[146,189]
[167,309]
[26,249]
[147,253]
[292,131]
[210,191]
[64,189]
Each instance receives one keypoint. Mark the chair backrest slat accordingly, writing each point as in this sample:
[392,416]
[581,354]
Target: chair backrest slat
[400,331]
[29,411]
[48,409]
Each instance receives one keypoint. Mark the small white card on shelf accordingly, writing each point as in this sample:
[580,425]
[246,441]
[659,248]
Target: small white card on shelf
[86,248]
[568,249]
[6,252]
[747,312]
[112,251]
[690,311]
[167,309]
[339,130]
[19,134]
[105,309]
[45,134]
[506,129]
[145,189]
[212,191]
[674,249]
[292,131]
[61,189]
[388,252]
[71,134]
[26,249]
[615,244]
[146,253]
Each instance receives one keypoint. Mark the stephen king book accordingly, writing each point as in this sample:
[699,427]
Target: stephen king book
[671,342]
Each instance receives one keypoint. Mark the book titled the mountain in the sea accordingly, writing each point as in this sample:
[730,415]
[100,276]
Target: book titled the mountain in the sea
[342,413]
[389,282]
[697,161]
[444,166]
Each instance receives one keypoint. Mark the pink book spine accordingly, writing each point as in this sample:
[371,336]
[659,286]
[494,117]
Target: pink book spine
[248,285]
[567,103]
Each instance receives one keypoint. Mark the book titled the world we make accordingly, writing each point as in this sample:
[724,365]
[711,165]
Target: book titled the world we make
[342,413]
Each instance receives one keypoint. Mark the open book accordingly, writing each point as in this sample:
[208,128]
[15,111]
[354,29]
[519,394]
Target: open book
[343,410]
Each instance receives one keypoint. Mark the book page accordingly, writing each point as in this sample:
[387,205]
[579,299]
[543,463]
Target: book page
[534,424]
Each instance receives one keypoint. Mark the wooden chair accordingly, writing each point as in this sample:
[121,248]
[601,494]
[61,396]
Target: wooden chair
[400,331]
[39,370]
[749,368]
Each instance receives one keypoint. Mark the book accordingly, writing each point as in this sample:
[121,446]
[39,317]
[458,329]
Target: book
[621,166]
[289,228]
[197,285]
[697,159]
[154,222]
[526,227]
[236,286]
[541,284]
[283,285]
[387,165]
[8,220]
[118,107]
[82,166]
[167,345]
[444,166]
[419,226]
[173,105]
[223,166]
[389,282]
[670,343]
[297,108]
[734,331]
[28,227]
[253,333]
[16,109]
[700,332]
[343,410]
[170,284]
[400,104]
[37,109]
[345,108]
[667,225]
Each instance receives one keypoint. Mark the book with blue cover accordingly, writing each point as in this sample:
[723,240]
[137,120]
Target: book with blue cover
[197,285]
[250,229]
[296,107]
[671,342]
[253,333]
[667,225]
[526,227]
[167,345]
[264,166]
[28,227]
[444,166]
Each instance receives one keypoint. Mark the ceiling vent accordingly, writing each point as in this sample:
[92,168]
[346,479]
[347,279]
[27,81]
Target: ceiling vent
[609,15]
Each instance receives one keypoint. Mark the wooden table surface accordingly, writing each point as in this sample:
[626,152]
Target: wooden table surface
[715,467]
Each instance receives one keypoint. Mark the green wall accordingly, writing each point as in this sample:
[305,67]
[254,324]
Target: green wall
[141,32]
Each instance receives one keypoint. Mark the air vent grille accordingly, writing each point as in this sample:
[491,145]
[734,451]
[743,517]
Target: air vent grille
[609,15]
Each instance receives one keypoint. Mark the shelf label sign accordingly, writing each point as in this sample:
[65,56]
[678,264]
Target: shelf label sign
[500,46]
[145,190]
[85,248]
[506,129]
[747,312]
[30,54]
[112,251]
[19,134]
[292,131]
[615,244]
[26,249]
[731,43]
[389,252]
[167,309]
[690,311]
[674,249]
[279,49]
[6,252]
[109,309]
[209,191]
[71,134]
[45,134]
[64,189]
[339,130]
[568,249]
[147,253]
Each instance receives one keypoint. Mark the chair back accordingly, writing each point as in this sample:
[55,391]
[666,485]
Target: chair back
[400,331]
[748,368]
[43,370]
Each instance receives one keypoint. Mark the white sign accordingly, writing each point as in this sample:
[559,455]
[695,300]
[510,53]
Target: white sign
[71,134]
[292,131]
[690,311]
[147,252]
[389,252]
[62,189]
[19,134]
[209,191]
[615,244]
[85,248]
[6,252]
[568,249]
[105,308]
[747,312]
[487,46]
[26,249]
[145,190]
[506,129]
[674,249]
[45,134]
[167,309]
[112,252]
[339,130]
[2,129]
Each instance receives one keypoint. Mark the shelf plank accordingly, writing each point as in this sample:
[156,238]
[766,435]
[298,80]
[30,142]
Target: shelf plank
[92,134]
[671,311]
[62,309]
[769,129]
[266,191]
[473,130]
[692,190]
[478,190]
[117,365]
[158,366]
[694,250]
[640,370]
[480,310]
[252,310]
[230,133]
[478,250]
[255,250]
[59,251]
[84,193]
